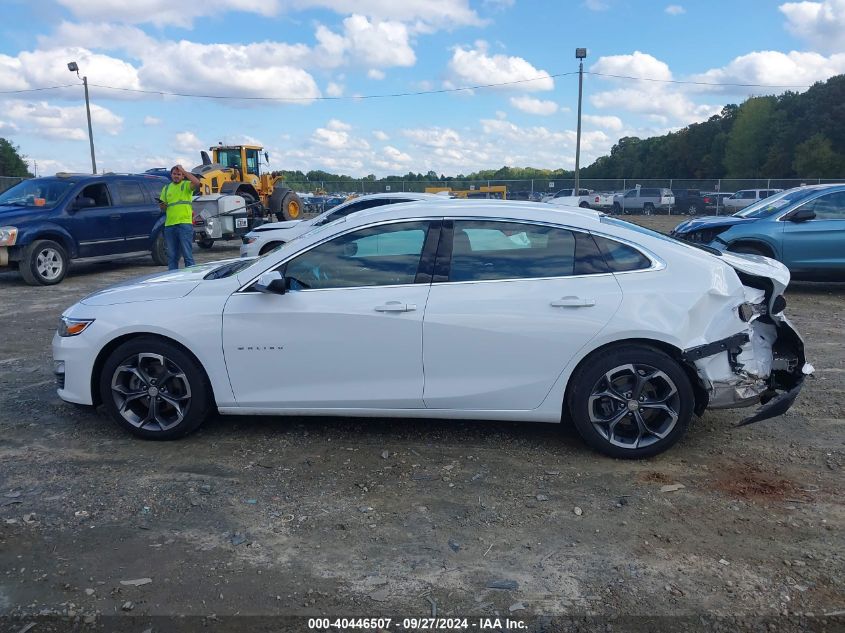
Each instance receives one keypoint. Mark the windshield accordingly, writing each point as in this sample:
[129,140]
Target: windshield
[773,204]
[38,192]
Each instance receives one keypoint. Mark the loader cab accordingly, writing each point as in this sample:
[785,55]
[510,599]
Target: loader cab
[244,158]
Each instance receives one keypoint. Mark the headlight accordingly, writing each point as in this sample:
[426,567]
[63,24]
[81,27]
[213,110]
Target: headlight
[8,235]
[73,327]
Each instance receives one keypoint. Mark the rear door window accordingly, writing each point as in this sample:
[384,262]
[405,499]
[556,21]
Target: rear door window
[487,250]
[129,193]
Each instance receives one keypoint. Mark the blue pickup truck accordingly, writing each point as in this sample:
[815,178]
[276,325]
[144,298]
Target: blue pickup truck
[47,222]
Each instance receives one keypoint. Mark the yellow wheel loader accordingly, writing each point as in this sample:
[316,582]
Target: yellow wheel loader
[234,169]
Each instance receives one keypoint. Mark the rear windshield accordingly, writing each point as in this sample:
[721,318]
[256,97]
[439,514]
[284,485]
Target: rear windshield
[38,192]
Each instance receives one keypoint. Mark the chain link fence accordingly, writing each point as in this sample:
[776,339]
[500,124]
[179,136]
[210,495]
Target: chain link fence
[536,188]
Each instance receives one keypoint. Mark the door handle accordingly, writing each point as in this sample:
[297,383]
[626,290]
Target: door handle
[115,216]
[396,306]
[573,302]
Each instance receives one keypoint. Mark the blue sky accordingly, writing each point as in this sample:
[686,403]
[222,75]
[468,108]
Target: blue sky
[346,49]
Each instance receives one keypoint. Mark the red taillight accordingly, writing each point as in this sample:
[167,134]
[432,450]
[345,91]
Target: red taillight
[198,221]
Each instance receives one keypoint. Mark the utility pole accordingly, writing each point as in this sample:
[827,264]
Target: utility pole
[580,54]
[74,67]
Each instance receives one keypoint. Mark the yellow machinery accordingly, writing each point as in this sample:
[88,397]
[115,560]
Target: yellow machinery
[494,191]
[234,169]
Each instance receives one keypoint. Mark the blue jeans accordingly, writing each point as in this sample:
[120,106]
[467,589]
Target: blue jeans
[179,241]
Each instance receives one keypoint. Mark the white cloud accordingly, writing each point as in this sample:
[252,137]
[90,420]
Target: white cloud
[665,103]
[534,106]
[475,66]
[396,155]
[334,89]
[189,143]
[822,24]
[596,5]
[433,137]
[151,120]
[773,68]
[61,123]
[613,123]
[376,74]
[675,9]
[376,44]
[380,135]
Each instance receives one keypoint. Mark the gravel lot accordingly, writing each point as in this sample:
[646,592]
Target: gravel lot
[269,516]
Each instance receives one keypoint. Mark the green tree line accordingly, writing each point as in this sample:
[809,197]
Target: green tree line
[11,162]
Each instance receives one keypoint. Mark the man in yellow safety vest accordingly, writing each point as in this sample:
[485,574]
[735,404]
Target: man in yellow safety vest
[175,201]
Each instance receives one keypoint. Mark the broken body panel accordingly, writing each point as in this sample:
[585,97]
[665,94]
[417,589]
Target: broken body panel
[765,361]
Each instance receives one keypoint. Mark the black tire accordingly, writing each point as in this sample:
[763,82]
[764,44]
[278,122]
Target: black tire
[607,412]
[159,250]
[292,206]
[269,247]
[692,209]
[584,205]
[44,263]
[617,208]
[145,368]
[648,209]
[205,243]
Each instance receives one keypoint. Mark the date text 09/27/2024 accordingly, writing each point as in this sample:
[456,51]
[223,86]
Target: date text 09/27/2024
[416,624]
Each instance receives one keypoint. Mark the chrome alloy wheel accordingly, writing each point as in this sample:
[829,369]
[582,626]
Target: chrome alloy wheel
[634,405]
[151,392]
[49,263]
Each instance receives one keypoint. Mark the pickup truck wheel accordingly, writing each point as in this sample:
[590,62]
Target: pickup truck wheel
[648,209]
[584,205]
[205,243]
[44,263]
[617,208]
[692,209]
[159,250]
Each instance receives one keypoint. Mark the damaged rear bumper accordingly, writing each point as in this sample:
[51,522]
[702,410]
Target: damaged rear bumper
[764,364]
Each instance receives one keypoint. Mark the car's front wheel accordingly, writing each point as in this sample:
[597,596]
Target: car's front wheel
[631,402]
[154,389]
[44,263]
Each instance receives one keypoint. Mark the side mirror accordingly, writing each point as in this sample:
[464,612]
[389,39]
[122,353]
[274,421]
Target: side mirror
[84,202]
[801,215]
[271,282]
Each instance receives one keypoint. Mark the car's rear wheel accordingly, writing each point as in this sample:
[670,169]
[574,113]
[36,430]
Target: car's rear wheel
[631,402]
[159,250]
[44,263]
[692,209]
[154,389]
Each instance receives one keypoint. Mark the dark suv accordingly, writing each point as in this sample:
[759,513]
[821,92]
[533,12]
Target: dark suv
[46,222]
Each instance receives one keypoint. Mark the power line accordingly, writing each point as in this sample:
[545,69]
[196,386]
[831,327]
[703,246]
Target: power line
[694,83]
[9,92]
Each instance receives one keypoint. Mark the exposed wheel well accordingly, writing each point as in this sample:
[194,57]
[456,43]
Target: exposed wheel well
[269,246]
[760,246]
[120,340]
[701,397]
[60,239]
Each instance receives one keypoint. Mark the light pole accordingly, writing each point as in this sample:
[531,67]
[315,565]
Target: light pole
[580,54]
[74,68]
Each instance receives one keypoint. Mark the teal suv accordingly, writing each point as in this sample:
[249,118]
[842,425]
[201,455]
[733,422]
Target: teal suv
[804,228]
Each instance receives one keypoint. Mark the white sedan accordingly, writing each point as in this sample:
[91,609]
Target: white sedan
[266,237]
[443,309]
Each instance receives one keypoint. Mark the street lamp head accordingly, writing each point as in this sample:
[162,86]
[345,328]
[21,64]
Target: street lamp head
[580,53]
[72,67]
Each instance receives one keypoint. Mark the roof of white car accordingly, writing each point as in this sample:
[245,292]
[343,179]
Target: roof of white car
[504,209]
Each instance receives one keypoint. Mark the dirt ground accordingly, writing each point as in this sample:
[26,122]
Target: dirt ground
[280,516]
